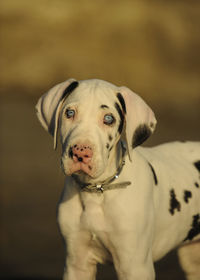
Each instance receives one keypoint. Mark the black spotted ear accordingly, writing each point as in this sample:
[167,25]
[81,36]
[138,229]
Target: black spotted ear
[140,135]
[140,121]
[50,104]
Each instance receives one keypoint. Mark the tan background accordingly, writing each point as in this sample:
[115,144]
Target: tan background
[150,46]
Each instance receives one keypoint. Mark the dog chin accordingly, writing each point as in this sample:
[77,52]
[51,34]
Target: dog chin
[88,178]
[83,176]
[81,173]
[81,170]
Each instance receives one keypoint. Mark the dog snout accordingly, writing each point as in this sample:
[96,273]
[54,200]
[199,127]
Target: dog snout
[81,153]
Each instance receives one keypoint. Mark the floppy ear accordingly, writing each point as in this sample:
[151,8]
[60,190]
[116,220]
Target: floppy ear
[140,121]
[49,105]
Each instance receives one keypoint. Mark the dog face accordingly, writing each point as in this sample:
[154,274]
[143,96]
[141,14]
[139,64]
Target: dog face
[91,123]
[91,117]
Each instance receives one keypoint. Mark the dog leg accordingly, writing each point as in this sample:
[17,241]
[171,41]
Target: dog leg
[80,262]
[132,260]
[189,257]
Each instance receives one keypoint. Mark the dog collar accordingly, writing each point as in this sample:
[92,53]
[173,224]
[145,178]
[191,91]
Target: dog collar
[106,185]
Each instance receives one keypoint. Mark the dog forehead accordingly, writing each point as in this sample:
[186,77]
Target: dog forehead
[97,84]
[94,90]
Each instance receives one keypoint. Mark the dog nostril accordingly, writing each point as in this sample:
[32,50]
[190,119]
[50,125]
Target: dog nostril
[80,159]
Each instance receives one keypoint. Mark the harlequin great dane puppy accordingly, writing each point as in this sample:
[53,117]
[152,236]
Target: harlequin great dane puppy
[121,203]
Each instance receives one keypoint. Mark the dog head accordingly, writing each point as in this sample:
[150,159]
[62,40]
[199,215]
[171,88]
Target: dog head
[92,116]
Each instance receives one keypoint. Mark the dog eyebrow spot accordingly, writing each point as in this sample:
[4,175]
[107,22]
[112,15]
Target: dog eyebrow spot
[103,106]
[197,165]
[174,203]
[154,174]
[187,195]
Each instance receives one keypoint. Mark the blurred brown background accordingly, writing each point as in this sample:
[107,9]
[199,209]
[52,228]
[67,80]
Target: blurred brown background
[150,46]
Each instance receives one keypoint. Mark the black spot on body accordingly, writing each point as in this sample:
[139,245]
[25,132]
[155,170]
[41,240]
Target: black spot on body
[121,115]
[110,138]
[70,153]
[154,174]
[122,102]
[141,133]
[107,146]
[197,165]
[69,89]
[187,195]
[174,203]
[196,185]
[195,230]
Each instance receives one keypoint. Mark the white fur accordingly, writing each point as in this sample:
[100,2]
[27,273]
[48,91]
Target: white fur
[131,227]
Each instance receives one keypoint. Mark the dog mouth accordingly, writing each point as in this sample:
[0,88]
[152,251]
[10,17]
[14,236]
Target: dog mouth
[77,166]
[80,168]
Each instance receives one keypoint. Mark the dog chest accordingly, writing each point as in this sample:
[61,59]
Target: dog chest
[92,217]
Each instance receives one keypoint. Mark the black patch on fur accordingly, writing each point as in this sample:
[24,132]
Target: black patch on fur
[110,138]
[107,146]
[141,133]
[196,185]
[103,106]
[174,203]
[122,102]
[154,174]
[197,165]
[70,153]
[120,128]
[187,195]
[66,93]
[195,230]
[69,89]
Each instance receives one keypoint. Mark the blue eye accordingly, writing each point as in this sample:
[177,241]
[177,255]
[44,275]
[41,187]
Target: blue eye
[108,119]
[70,113]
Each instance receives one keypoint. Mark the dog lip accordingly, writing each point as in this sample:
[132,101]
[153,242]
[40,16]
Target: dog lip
[80,166]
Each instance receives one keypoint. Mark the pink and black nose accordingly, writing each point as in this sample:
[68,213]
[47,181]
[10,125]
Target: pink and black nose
[81,153]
